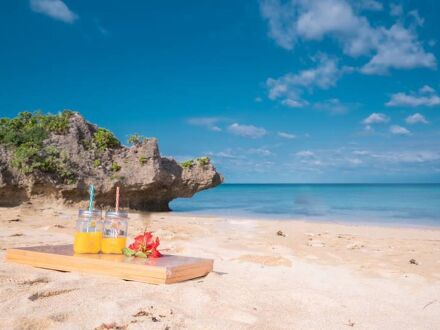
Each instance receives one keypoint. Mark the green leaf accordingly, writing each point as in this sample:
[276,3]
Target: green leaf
[128,252]
[140,254]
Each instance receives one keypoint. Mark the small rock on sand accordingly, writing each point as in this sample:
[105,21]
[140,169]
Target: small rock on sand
[315,243]
[413,262]
[280,233]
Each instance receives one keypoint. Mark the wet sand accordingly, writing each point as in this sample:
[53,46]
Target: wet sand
[267,275]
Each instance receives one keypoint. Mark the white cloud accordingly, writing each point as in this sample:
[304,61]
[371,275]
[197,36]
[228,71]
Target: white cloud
[383,160]
[368,129]
[395,47]
[398,48]
[427,90]
[325,17]
[354,161]
[370,5]
[402,99]
[376,118]
[294,103]
[413,156]
[416,118]
[291,86]
[373,161]
[333,106]
[103,30]
[56,9]
[225,154]
[260,151]
[281,20]
[305,154]
[324,75]
[396,10]
[309,158]
[286,135]
[426,96]
[418,20]
[215,129]
[361,152]
[207,122]
[247,130]
[399,130]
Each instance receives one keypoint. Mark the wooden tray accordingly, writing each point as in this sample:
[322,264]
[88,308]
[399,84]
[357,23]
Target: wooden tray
[165,270]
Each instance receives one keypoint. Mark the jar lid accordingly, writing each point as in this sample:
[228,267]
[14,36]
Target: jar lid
[88,213]
[116,214]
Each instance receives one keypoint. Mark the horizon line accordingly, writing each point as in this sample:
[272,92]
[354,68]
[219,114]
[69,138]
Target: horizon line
[330,183]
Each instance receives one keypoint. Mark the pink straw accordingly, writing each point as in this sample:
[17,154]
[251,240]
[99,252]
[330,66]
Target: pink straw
[117,199]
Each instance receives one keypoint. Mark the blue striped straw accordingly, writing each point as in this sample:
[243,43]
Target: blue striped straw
[92,197]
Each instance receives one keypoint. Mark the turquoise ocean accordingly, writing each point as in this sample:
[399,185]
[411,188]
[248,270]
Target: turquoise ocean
[385,204]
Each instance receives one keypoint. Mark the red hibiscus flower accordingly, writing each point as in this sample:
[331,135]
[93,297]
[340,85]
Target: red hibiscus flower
[144,245]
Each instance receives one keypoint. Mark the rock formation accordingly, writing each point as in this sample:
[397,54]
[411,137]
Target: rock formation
[59,156]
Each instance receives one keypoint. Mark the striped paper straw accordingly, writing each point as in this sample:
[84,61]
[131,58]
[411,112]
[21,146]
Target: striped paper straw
[117,199]
[92,197]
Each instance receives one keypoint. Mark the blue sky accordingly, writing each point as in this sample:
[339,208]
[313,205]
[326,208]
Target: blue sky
[272,91]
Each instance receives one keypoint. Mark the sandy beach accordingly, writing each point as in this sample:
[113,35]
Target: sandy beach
[268,274]
[282,156]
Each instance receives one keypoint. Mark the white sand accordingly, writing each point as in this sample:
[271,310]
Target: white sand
[319,276]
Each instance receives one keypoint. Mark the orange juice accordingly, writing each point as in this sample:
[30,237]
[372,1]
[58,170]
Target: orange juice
[87,242]
[113,245]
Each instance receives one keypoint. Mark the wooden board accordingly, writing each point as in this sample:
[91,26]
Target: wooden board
[164,270]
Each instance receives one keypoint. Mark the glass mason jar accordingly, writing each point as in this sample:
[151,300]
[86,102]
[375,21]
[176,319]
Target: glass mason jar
[114,232]
[88,235]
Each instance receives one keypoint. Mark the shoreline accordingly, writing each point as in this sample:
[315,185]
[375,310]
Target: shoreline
[310,220]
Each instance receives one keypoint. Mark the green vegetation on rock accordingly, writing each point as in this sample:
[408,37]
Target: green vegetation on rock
[104,139]
[187,163]
[115,167]
[115,177]
[32,128]
[26,158]
[96,163]
[202,161]
[59,124]
[136,139]
[25,134]
[142,160]
[87,144]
